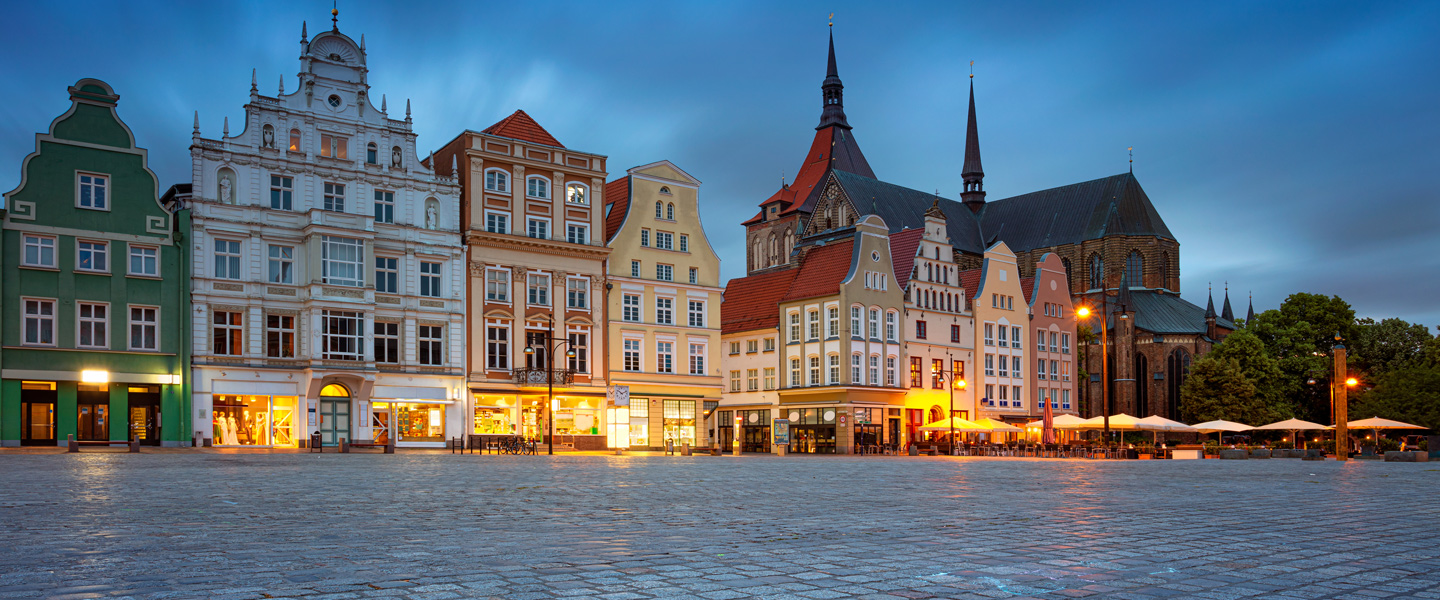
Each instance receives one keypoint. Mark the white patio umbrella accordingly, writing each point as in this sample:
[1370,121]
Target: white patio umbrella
[961,425]
[1375,424]
[1294,426]
[1120,422]
[998,426]
[1220,427]
[1157,424]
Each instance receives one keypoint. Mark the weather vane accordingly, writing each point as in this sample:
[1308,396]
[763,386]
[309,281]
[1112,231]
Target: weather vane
[1131,150]
[832,19]
[972,69]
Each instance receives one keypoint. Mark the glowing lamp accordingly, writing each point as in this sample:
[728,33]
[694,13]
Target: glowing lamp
[1352,382]
[1083,311]
[89,376]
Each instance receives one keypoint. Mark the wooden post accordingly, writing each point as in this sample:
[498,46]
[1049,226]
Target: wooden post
[1341,412]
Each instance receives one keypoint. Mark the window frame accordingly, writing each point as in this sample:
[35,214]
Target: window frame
[332,196]
[326,262]
[387,275]
[497,285]
[81,321]
[329,339]
[430,344]
[233,260]
[545,192]
[384,201]
[502,183]
[104,180]
[40,247]
[585,193]
[537,289]
[285,264]
[131,323]
[494,217]
[533,224]
[282,192]
[227,335]
[154,259]
[102,247]
[431,280]
[277,334]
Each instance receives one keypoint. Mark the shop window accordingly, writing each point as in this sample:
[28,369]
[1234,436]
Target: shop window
[639,422]
[420,422]
[493,416]
[680,422]
[254,421]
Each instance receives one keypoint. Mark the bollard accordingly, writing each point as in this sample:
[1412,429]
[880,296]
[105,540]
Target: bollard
[344,446]
[71,444]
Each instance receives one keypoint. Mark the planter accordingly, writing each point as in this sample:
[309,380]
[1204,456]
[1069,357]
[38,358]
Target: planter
[1260,453]
[1234,454]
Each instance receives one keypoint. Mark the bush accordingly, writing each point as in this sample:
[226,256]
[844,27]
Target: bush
[1282,445]
[1387,445]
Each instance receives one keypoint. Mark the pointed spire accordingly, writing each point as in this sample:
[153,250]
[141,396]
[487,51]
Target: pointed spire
[972,172]
[304,35]
[252,80]
[454,165]
[382,103]
[362,42]
[407,109]
[226,131]
[197,122]
[1210,305]
[1226,313]
[832,93]
[1250,314]
[282,84]
[1131,150]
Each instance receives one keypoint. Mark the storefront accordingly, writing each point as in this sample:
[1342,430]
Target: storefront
[50,411]
[413,416]
[254,420]
[754,430]
[812,430]
[579,420]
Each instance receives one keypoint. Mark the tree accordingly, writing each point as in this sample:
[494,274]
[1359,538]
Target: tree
[1388,345]
[1299,336]
[1218,389]
[1410,394]
[1260,369]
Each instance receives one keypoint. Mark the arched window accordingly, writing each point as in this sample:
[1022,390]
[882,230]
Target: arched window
[537,187]
[659,210]
[1177,368]
[936,414]
[372,154]
[577,193]
[1135,269]
[755,256]
[774,253]
[294,140]
[497,180]
[665,190]
[789,245]
[1069,281]
[927,272]
[1142,386]
[1097,272]
[334,390]
[1165,270]
[670,211]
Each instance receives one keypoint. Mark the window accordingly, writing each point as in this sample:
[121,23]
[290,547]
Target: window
[890,327]
[874,369]
[431,345]
[537,187]
[39,251]
[664,240]
[670,211]
[1135,270]
[144,327]
[282,192]
[1040,368]
[937,370]
[697,314]
[814,320]
[1004,336]
[538,287]
[664,311]
[634,268]
[856,377]
[341,261]
[1018,396]
[697,363]
[832,322]
[387,275]
[990,365]
[794,372]
[1054,370]
[694,275]
[920,332]
[576,193]
[915,376]
[735,348]
[955,334]
[665,272]
[734,381]
[94,191]
[1015,366]
[538,229]
[334,146]
[834,360]
[576,234]
[1015,337]
[497,347]
[632,361]
[294,140]
[1065,399]
[684,243]
[664,357]
[497,285]
[580,343]
[1040,340]
[281,264]
[384,207]
[1065,371]
[94,325]
[430,279]
[145,261]
[769,344]
[1053,346]
[1004,366]
[855,329]
[659,210]
[630,309]
[334,197]
[645,238]
[814,370]
[990,393]
[890,371]
[227,259]
[957,371]
[280,336]
[769,378]
[1097,270]
[497,181]
[497,222]
[229,337]
[372,154]
[794,327]
[340,335]
[1065,343]
[94,257]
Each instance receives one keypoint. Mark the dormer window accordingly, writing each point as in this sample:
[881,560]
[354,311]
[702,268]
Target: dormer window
[537,187]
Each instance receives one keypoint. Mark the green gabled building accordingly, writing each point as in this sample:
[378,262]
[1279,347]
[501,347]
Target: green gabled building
[94,289]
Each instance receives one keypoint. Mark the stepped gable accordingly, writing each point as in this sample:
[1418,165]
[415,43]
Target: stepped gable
[521,126]
[822,271]
[617,205]
[903,246]
[1075,213]
[750,302]
[902,208]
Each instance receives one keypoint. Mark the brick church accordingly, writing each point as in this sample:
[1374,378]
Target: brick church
[1117,252]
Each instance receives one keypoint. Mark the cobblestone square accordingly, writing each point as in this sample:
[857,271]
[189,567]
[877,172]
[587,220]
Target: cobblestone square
[433,526]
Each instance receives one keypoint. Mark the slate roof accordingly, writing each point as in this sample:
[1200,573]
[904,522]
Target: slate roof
[902,208]
[903,246]
[972,140]
[822,271]
[751,302]
[521,126]
[617,203]
[1162,313]
[834,148]
[1070,214]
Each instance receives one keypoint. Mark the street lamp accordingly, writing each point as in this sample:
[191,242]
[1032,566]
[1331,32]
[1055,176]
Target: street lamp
[1084,312]
[940,375]
[550,380]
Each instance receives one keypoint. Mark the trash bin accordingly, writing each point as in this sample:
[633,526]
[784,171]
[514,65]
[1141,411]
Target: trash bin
[685,449]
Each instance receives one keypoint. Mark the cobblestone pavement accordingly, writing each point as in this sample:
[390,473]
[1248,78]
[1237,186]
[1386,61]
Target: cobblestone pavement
[433,526]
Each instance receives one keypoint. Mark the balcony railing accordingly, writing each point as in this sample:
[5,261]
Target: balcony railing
[540,377]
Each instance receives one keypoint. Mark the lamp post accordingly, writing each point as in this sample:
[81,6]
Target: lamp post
[940,374]
[1084,313]
[550,380]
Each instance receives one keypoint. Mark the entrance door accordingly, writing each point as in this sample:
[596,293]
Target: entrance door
[380,425]
[334,414]
[144,417]
[37,414]
[92,415]
[755,439]
[894,436]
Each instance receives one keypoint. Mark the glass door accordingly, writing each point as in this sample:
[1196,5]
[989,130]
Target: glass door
[37,423]
[380,423]
[334,420]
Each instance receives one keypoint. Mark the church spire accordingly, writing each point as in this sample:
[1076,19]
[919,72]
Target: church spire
[971,172]
[1210,305]
[832,93]
[1250,314]
[1226,313]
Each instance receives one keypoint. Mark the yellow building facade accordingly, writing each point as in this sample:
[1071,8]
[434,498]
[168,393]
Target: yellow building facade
[662,299]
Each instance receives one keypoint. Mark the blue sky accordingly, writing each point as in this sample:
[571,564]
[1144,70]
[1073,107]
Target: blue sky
[1289,146]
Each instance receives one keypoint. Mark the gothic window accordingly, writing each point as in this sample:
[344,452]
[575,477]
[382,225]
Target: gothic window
[1177,368]
[1164,270]
[789,245]
[774,254]
[1097,272]
[1142,386]
[1135,269]
[755,253]
[1069,281]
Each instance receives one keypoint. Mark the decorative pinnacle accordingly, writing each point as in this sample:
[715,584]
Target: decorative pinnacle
[362,42]
[252,79]
[334,17]
[832,19]
[304,35]
[197,122]
[972,69]
[282,84]
[454,165]
[1131,150]
[382,102]
[407,109]
[226,131]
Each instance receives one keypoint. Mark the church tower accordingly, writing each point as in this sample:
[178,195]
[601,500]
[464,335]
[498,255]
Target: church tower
[974,175]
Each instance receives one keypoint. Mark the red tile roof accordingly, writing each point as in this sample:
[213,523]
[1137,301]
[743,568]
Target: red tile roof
[970,280]
[520,126]
[617,203]
[822,271]
[753,302]
[903,245]
[1027,287]
[792,196]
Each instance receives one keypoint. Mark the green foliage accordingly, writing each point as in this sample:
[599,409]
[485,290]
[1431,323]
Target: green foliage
[1299,336]
[1236,381]
[1388,345]
[1410,394]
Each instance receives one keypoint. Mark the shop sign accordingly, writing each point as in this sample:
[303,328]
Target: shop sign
[312,414]
[781,432]
[619,395]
